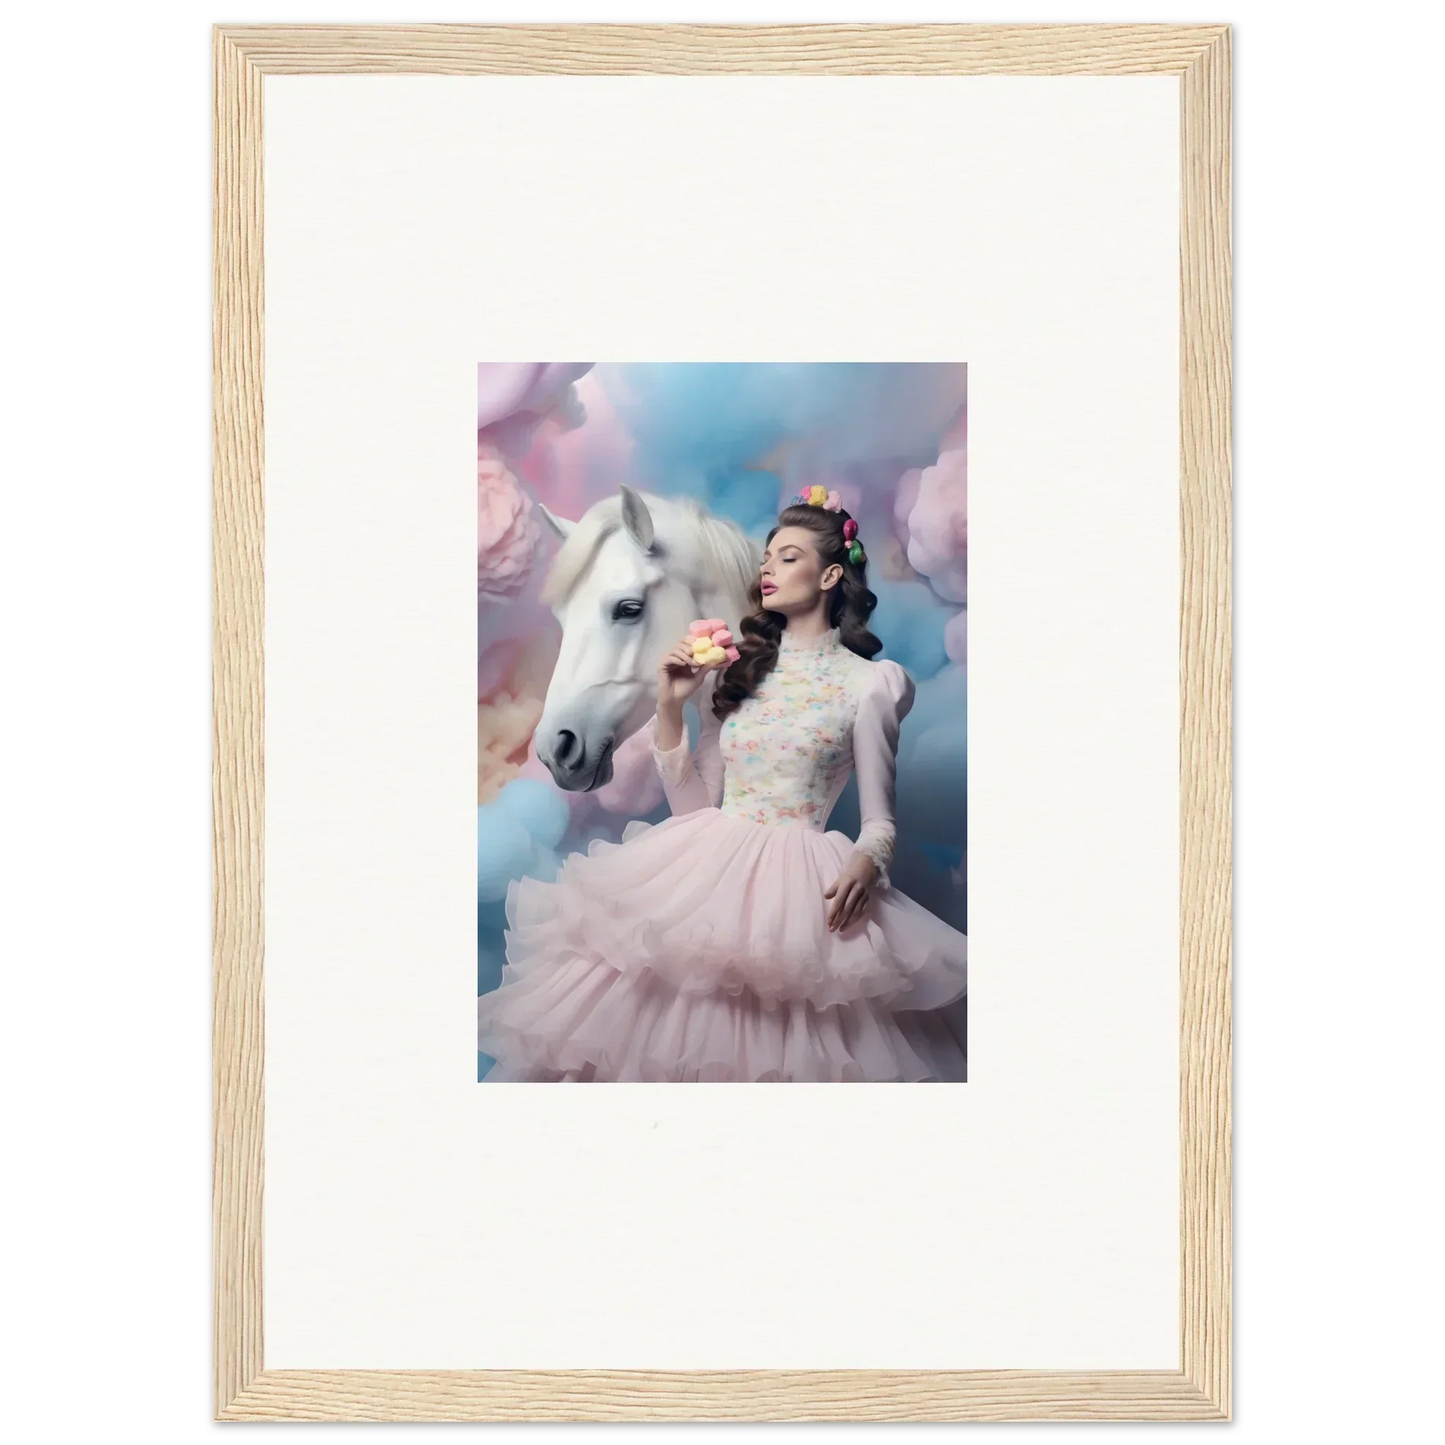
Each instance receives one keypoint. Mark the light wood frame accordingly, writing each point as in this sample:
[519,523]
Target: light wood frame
[1200,1388]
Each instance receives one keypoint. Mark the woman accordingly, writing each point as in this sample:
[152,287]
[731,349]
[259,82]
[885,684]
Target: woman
[738,940]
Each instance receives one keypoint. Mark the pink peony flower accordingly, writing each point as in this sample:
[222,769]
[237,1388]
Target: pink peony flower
[507,528]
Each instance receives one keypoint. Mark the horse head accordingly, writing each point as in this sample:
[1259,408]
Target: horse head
[630,576]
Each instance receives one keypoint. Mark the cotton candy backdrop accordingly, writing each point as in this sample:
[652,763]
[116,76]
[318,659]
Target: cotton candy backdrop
[892,439]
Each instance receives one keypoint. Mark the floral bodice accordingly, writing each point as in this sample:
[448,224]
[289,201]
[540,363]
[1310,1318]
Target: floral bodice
[784,756]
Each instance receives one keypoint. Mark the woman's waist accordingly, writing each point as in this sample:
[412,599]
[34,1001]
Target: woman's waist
[776,815]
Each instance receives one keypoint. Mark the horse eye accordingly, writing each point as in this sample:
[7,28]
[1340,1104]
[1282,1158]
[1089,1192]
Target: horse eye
[627,611]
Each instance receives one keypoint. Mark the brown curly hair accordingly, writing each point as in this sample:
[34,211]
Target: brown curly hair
[850,605]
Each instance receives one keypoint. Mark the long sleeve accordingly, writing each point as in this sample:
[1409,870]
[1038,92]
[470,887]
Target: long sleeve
[875,760]
[692,780]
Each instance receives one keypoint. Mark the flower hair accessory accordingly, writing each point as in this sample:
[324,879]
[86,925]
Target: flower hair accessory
[711,642]
[822,497]
[819,497]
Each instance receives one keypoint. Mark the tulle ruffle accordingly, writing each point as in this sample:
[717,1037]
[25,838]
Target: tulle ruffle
[579,1020]
[707,902]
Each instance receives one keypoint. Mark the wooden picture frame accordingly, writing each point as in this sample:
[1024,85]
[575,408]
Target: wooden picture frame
[1199,1388]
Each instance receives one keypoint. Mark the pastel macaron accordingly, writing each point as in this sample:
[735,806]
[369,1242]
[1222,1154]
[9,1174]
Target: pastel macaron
[712,643]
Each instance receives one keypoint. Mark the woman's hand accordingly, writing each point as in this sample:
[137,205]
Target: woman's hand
[851,891]
[678,676]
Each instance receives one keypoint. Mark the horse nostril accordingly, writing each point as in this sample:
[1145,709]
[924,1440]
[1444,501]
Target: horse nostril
[566,742]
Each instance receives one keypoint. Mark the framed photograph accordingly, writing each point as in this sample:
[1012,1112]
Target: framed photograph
[853,625]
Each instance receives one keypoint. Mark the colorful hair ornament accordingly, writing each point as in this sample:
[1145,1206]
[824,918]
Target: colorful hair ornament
[818,497]
[822,497]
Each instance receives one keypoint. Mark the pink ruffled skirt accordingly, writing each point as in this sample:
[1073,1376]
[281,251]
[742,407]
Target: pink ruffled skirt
[698,950]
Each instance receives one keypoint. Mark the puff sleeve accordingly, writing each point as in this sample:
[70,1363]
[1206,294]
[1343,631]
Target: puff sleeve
[875,760]
[692,779]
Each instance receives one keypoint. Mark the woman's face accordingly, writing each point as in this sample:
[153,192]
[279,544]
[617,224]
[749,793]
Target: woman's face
[793,576]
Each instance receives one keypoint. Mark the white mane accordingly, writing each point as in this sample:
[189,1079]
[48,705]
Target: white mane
[727,552]
[724,551]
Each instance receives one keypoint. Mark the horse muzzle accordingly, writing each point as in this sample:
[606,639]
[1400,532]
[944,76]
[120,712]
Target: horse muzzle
[576,766]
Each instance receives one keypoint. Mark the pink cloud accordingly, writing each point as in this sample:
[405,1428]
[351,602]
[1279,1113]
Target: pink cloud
[636,785]
[905,498]
[572,467]
[955,637]
[938,520]
[513,399]
[513,677]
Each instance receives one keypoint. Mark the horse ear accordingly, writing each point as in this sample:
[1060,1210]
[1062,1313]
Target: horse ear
[560,525]
[636,518]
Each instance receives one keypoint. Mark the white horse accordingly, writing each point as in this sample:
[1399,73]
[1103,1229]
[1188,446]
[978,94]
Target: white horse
[630,576]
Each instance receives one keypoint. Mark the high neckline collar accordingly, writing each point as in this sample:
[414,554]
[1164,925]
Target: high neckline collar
[830,641]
